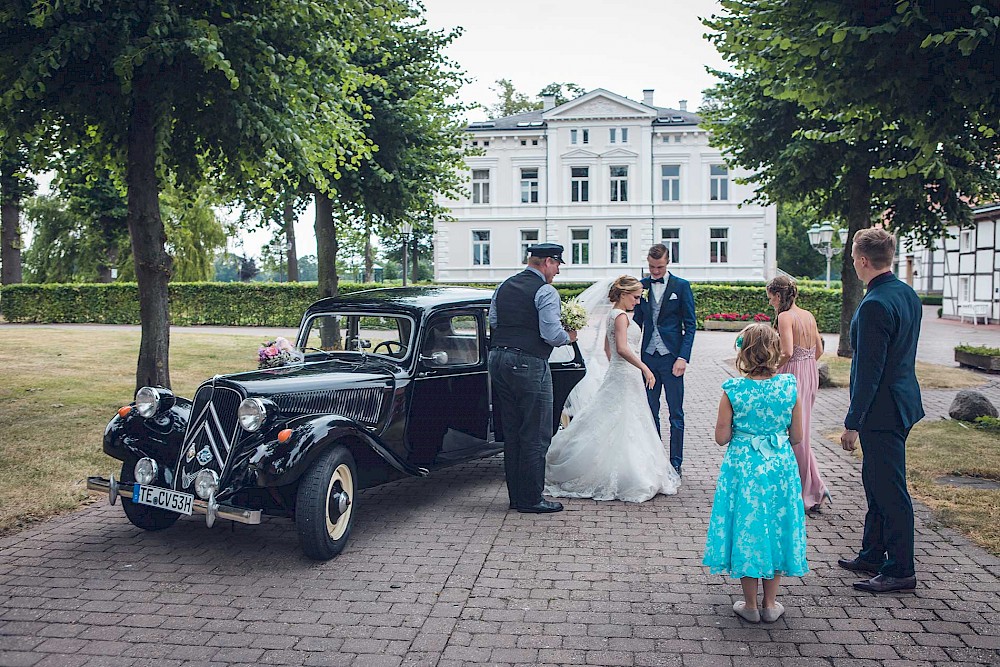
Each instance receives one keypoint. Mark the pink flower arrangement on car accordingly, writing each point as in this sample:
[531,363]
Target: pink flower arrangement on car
[278,352]
[738,317]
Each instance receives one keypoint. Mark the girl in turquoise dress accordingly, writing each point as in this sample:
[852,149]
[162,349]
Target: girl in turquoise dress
[758,529]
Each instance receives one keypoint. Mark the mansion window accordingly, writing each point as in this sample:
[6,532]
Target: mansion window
[615,132]
[580,246]
[671,182]
[671,237]
[718,182]
[579,184]
[529,186]
[480,248]
[619,246]
[529,237]
[718,248]
[480,186]
[583,135]
[619,183]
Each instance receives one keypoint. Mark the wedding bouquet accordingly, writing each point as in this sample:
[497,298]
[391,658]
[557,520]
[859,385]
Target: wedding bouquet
[573,315]
[278,352]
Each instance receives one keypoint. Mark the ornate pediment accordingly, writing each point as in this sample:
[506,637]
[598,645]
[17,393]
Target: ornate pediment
[619,153]
[580,154]
[598,104]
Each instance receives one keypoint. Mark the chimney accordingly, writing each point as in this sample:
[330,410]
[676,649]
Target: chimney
[684,105]
[647,97]
[548,102]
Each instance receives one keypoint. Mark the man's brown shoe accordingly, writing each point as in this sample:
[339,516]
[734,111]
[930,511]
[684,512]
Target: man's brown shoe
[885,584]
[858,565]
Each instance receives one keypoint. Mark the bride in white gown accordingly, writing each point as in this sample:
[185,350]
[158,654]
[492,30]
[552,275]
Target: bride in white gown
[611,450]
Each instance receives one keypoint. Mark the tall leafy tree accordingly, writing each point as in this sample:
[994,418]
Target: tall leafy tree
[412,118]
[511,101]
[236,92]
[15,186]
[820,123]
[794,253]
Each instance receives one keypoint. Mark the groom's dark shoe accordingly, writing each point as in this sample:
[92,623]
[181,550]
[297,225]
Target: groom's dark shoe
[858,565]
[543,507]
[881,583]
[678,469]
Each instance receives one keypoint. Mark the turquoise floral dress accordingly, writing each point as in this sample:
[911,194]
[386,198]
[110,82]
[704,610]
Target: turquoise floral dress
[758,526]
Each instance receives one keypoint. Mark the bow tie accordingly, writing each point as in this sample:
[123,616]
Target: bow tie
[656,280]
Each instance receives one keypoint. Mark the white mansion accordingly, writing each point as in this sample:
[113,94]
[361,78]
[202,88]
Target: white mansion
[606,177]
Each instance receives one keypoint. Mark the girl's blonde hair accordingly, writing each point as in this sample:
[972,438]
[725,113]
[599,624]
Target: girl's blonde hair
[623,285]
[757,350]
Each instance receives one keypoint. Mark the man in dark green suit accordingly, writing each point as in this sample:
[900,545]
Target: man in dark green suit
[885,404]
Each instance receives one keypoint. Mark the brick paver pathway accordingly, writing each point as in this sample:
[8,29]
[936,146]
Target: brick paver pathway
[438,572]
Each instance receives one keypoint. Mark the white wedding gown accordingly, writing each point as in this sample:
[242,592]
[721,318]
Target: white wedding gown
[611,450]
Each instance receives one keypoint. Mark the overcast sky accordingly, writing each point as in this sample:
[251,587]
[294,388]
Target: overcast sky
[622,47]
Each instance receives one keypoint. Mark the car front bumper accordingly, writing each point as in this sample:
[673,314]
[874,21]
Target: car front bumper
[210,508]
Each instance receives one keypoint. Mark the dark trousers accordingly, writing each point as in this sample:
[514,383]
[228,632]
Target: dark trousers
[888,535]
[673,388]
[522,385]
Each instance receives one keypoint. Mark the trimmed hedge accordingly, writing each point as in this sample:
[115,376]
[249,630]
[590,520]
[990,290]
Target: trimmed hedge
[220,304]
[282,304]
[931,299]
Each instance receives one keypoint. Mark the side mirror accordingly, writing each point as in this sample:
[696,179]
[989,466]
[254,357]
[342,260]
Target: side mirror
[438,358]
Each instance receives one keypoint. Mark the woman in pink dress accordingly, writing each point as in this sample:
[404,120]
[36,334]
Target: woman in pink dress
[801,348]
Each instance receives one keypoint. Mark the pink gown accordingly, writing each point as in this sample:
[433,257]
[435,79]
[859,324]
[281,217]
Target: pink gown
[803,366]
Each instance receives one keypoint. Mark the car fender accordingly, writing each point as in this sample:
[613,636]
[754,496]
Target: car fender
[280,464]
[159,437]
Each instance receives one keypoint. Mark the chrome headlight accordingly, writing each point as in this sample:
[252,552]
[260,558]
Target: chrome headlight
[146,471]
[252,414]
[206,483]
[147,401]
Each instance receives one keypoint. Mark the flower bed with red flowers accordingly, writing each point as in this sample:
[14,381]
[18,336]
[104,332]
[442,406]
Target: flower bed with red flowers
[738,317]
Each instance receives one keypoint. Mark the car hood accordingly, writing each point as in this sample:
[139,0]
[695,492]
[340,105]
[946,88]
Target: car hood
[314,376]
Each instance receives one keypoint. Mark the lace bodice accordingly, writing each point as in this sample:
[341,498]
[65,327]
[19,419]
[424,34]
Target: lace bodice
[800,353]
[634,333]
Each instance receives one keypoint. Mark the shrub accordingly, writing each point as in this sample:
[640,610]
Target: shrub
[987,423]
[931,299]
[978,349]
[738,317]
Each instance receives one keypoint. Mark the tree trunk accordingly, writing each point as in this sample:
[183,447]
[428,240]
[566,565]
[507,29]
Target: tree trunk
[10,230]
[326,264]
[369,254]
[152,263]
[292,254]
[858,218]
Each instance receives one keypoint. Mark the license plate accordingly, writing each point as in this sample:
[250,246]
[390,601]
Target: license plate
[182,503]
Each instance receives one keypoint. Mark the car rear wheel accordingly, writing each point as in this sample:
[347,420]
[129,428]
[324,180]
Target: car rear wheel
[324,506]
[142,516]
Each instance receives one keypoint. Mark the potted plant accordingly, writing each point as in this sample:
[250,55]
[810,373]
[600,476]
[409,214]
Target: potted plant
[978,356]
[732,321]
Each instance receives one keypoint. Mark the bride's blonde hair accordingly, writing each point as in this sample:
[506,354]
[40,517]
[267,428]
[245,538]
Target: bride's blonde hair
[623,285]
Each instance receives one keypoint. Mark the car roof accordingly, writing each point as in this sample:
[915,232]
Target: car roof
[412,300]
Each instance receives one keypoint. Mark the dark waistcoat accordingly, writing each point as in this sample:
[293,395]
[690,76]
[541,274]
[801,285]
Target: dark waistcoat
[517,316]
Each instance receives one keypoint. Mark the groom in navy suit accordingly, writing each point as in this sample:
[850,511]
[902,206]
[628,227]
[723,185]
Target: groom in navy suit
[885,404]
[666,315]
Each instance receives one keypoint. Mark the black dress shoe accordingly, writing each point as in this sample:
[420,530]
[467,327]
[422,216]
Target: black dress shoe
[544,507]
[858,565]
[677,469]
[881,583]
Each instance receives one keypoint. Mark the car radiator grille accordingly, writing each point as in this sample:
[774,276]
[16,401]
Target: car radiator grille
[213,425]
[362,405]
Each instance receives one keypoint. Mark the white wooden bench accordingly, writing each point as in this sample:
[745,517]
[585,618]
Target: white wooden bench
[975,310]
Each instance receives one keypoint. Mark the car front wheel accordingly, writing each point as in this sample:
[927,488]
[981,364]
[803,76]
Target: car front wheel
[142,516]
[324,506]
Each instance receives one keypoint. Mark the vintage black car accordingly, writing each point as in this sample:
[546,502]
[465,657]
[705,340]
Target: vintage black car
[393,383]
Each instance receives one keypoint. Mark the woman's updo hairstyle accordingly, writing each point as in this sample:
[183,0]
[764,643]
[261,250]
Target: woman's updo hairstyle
[757,350]
[784,288]
[623,285]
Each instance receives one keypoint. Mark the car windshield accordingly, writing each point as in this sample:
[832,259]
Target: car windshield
[358,332]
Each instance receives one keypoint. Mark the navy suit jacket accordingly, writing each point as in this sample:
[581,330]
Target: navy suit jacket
[885,395]
[676,323]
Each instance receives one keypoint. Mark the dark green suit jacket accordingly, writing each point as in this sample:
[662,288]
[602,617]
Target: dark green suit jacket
[885,395]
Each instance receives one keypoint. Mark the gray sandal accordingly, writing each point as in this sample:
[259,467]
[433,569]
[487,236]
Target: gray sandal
[772,614]
[750,615]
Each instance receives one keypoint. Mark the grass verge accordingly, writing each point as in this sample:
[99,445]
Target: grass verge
[929,376]
[939,448]
[60,388]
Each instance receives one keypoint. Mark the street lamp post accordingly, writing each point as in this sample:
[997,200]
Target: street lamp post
[407,230]
[821,239]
